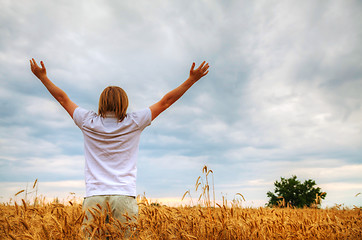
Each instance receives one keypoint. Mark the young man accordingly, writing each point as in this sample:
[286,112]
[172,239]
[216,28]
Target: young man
[111,140]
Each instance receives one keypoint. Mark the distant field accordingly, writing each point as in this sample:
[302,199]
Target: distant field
[59,221]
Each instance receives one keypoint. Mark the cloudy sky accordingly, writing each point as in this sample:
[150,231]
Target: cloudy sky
[283,96]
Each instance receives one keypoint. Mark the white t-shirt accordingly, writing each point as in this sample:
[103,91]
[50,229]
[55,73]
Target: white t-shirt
[110,149]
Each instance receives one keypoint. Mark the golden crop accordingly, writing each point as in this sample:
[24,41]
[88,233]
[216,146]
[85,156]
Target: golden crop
[208,220]
[59,221]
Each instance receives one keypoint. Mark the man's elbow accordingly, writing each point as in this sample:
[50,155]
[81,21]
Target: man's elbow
[165,104]
[62,99]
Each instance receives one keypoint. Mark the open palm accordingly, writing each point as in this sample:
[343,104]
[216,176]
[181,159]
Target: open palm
[199,72]
[40,72]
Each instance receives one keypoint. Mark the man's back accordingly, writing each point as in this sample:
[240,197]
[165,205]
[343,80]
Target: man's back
[111,148]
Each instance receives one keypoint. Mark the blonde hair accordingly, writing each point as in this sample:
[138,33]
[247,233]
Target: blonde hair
[113,99]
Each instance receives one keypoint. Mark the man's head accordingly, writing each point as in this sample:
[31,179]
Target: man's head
[113,99]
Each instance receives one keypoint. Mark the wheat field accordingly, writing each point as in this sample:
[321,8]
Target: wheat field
[206,219]
[60,221]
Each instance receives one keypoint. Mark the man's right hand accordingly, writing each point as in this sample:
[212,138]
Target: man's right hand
[200,72]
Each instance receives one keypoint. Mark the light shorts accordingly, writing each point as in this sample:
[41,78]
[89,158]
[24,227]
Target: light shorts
[119,205]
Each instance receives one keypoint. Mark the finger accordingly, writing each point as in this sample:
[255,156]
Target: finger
[192,67]
[32,64]
[201,65]
[205,73]
[35,64]
[205,67]
[42,64]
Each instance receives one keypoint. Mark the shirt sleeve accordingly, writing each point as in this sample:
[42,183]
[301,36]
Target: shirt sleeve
[143,118]
[79,115]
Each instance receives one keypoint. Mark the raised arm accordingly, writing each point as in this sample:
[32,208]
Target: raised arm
[174,95]
[56,92]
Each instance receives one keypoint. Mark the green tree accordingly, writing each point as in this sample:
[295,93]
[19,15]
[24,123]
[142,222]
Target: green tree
[291,192]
